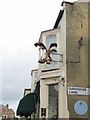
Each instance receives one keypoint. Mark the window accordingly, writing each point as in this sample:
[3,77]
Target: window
[51,39]
[53,101]
[43,111]
[48,37]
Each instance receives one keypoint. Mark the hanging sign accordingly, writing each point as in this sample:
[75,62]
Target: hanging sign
[78,91]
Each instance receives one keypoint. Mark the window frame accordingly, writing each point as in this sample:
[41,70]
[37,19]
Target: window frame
[42,39]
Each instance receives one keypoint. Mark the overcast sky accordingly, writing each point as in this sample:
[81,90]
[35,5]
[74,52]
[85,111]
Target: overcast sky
[21,22]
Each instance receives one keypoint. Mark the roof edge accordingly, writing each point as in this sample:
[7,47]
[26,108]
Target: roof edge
[72,3]
[58,18]
[61,13]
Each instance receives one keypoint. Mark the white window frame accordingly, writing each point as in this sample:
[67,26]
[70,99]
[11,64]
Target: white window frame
[43,37]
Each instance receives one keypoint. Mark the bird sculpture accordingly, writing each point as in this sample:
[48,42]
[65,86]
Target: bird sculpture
[47,58]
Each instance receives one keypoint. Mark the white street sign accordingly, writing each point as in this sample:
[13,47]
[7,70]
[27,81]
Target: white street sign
[78,91]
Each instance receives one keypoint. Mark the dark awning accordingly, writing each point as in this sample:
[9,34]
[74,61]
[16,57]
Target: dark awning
[26,105]
[37,92]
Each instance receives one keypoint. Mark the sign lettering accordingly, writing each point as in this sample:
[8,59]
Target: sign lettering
[78,91]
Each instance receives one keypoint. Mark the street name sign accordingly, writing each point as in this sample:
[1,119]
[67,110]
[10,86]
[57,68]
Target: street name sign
[78,90]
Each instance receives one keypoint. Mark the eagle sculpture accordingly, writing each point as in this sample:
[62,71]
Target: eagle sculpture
[47,58]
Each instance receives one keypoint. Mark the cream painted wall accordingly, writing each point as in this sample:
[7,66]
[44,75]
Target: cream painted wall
[63,105]
[46,78]
[34,79]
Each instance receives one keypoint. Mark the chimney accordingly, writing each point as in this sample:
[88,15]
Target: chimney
[7,106]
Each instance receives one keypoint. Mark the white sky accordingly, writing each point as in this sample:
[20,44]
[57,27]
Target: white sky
[21,22]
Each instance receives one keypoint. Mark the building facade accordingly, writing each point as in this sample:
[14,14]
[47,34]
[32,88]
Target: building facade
[77,57]
[64,83]
[60,86]
[27,91]
[6,112]
[34,79]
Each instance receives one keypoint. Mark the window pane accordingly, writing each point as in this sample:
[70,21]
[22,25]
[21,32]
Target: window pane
[51,39]
[53,101]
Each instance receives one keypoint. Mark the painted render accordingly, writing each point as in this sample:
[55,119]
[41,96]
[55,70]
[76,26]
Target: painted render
[71,31]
